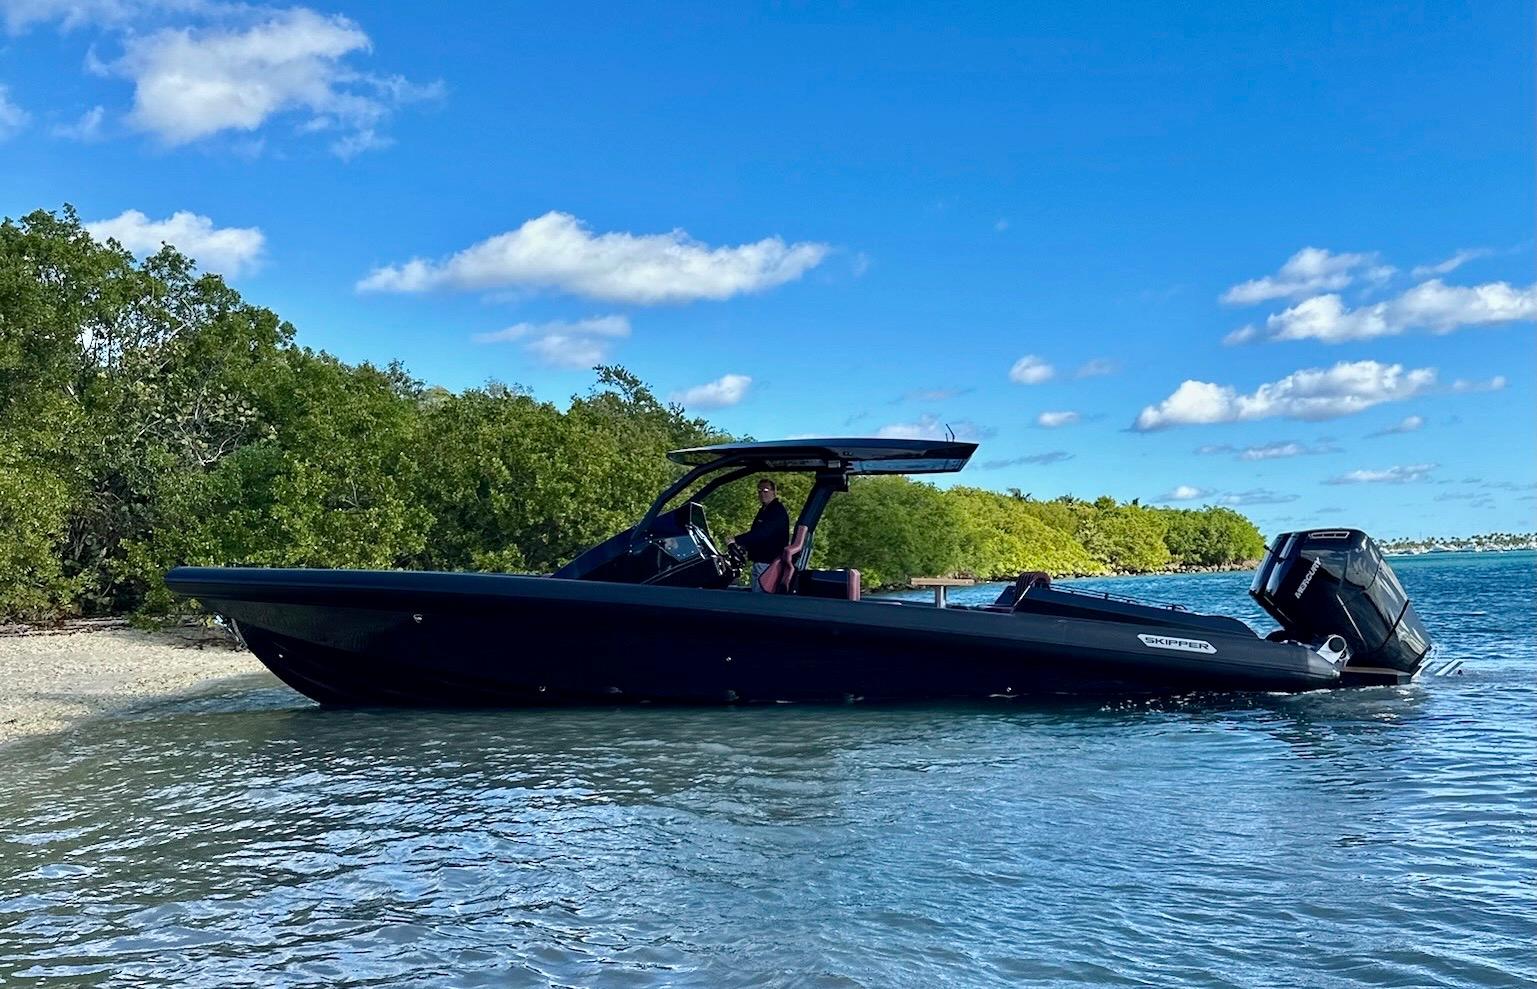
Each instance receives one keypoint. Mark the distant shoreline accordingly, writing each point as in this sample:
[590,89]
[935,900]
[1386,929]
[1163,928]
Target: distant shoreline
[1455,550]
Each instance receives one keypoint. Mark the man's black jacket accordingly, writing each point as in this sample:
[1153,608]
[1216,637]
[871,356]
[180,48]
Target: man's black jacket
[769,535]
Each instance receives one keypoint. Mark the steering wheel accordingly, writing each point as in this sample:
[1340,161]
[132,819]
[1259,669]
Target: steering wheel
[733,562]
[728,565]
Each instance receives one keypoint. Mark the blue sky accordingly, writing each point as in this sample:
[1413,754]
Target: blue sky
[1279,257]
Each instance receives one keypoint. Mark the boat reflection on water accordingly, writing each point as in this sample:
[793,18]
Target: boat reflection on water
[309,771]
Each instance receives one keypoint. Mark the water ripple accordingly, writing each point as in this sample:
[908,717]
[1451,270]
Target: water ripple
[1372,837]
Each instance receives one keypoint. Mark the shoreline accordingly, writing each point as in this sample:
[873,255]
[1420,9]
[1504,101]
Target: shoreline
[56,676]
[1443,550]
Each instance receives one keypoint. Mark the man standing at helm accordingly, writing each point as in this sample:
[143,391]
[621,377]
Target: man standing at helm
[770,532]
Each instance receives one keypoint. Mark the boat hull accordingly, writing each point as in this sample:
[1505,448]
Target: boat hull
[434,639]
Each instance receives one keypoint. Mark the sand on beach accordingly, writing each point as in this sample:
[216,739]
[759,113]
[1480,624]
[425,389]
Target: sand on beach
[51,678]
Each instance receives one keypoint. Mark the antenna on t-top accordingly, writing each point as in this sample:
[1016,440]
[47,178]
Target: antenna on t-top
[949,433]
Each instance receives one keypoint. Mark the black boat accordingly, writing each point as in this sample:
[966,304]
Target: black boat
[654,615]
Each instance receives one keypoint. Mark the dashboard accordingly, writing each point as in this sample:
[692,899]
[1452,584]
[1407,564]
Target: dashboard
[688,554]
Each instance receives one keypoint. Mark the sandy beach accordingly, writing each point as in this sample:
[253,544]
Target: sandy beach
[54,677]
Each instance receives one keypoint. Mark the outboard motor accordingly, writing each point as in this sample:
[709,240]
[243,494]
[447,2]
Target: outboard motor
[1331,589]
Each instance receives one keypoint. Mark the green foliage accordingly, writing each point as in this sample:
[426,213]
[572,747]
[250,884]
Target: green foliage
[516,483]
[1211,537]
[1001,537]
[1126,538]
[150,417]
[891,529]
[34,514]
[116,378]
[1062,514]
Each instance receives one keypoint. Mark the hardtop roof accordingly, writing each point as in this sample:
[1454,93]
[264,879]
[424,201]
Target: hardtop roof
[872,455]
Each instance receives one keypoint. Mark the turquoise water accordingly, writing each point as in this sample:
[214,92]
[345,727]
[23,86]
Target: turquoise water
[1381,837]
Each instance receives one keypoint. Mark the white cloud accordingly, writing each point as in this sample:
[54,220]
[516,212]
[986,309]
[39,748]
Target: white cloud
[1431,305]
[87,128]
[1269,451]
[1310,270]
[1409,424]
[930,427]
[1309,394]
[1445,308]
[728,389]
[1030,370]
[563,344]
[1040,459]
[227,250]
[1228,499]
[1495,383]
[1274,451]
[557,251]
[1390,475]
[1097,367]
[349,146]
[1452,263]
[22,14]
[1254,496]
[192,83]
[12,117]
[1185,492]
[932,394]
[1054,420]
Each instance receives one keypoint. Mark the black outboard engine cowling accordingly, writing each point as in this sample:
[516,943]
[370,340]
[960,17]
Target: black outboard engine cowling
[1334,582]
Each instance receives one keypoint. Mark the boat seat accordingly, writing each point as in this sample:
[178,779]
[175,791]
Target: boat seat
[842,584]
[778,578]
[1022,585]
